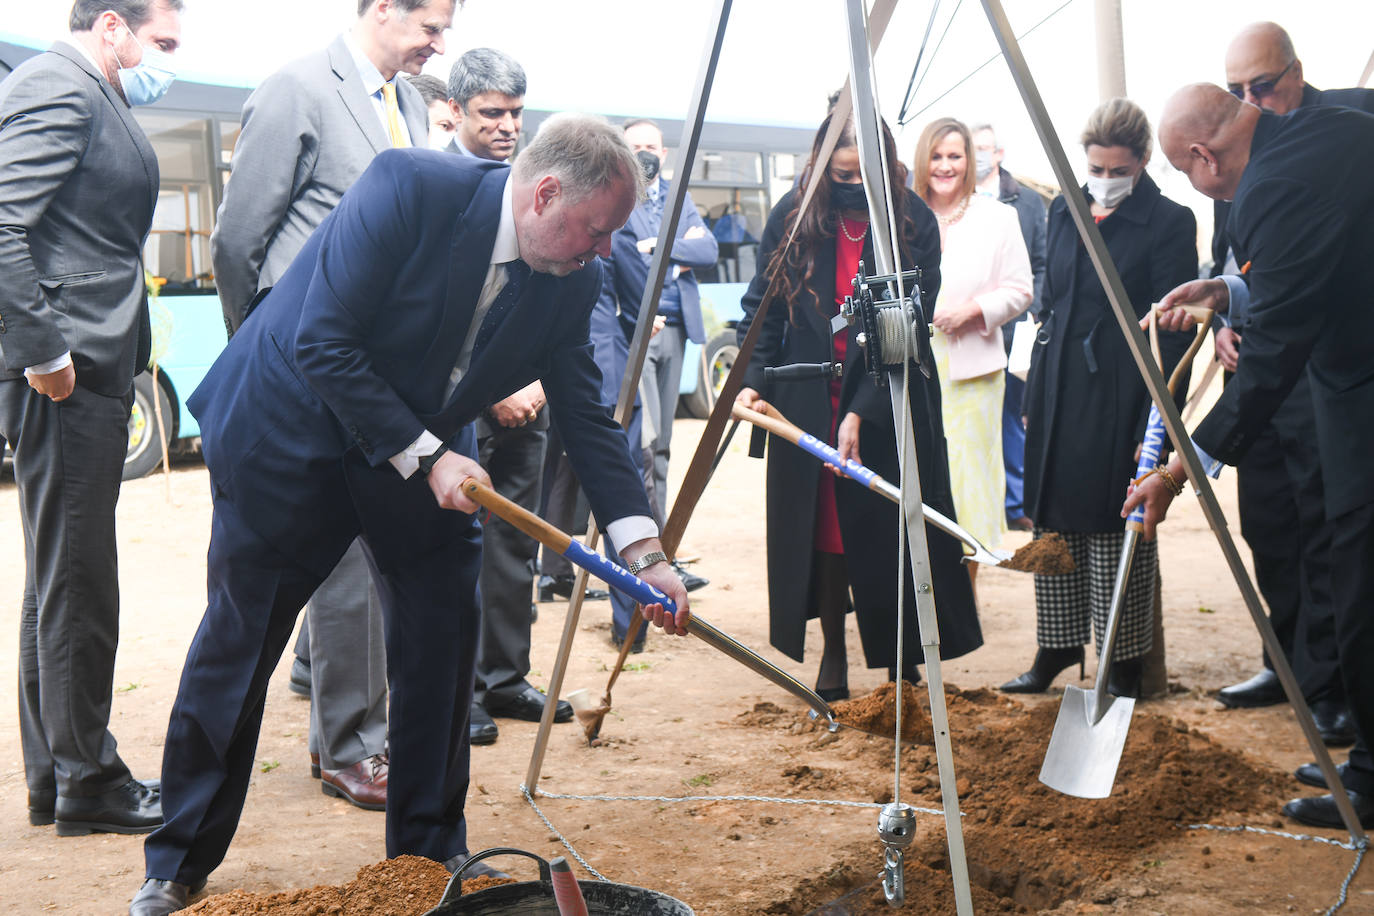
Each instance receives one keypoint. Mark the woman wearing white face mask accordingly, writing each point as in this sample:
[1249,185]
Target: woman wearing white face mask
[1086,404]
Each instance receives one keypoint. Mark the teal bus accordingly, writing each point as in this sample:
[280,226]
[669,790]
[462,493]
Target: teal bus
[740,170]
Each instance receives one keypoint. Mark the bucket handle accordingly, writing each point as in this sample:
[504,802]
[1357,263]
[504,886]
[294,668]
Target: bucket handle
[454,889]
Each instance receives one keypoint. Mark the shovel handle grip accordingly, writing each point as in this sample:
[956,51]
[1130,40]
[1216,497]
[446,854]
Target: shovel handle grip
[576,552]
[1150,449]
[776,424]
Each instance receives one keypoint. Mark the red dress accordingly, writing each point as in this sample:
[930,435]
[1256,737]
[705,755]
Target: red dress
[847,256]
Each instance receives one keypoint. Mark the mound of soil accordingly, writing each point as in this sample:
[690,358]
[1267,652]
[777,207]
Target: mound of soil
[877,712]
[1028,847]
[395,887]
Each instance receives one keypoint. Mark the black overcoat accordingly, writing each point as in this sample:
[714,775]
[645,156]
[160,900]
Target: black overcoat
[1086,403]
[868,522]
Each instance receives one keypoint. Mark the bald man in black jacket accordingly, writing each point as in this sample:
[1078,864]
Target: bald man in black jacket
[1303,221]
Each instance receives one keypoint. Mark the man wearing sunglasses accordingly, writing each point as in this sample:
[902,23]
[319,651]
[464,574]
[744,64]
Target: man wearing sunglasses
[1280,492]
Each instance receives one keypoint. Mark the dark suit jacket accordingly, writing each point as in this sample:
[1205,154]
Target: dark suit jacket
[78,182]
[1303,217]
[1363,99]
[630,268]
[353,350]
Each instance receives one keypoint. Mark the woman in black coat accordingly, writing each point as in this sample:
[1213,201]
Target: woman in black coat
[827,535]
[1086,404]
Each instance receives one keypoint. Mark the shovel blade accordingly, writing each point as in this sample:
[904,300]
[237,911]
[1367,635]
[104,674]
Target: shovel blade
[1086,745]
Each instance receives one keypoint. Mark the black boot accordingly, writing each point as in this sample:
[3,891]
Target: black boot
[912,676]
[1046,667]
[1124,678]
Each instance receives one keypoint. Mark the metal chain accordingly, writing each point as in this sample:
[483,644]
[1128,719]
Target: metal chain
[1358,848]
[561,838]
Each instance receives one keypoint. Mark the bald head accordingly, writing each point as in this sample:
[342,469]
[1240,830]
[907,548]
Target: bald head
[1262,66]
[1205,133]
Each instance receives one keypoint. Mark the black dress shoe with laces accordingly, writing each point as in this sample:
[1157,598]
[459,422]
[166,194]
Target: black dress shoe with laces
[481,728]
[1309,774]
[690,581]
[555,588]
[159,898]
[132,808]
[527,705]
[1332,718]
[1321,810]
[637,648]
[1263,689]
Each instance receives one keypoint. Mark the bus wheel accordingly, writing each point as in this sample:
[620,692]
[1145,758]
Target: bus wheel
[721,351]
[145,447]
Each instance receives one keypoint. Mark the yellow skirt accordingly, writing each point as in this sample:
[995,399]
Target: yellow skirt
[972,412]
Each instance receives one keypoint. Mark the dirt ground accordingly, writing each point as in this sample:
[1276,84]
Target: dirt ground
[690,722]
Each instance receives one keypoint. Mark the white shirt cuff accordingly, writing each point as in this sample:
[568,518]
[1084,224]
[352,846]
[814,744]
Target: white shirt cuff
[1238,293]
[625,531]
[1210,466]
[408,462]
[51,365]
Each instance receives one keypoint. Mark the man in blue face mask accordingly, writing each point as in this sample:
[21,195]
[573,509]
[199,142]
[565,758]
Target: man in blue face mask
[76,202]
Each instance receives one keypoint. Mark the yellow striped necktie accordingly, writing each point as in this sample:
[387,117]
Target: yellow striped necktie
[393,116]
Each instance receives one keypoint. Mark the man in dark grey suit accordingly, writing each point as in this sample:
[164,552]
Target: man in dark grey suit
[486,90]
[77,193]
[309,131]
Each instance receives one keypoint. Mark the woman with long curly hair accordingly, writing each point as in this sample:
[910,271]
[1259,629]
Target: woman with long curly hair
[828,536]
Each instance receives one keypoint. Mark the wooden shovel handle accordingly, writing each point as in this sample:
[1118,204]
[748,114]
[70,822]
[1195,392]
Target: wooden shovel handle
[516,514]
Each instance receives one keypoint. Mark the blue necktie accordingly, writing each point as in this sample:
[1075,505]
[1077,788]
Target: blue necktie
[517,272]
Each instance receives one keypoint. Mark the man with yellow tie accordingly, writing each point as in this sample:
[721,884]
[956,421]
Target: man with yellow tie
[309,131]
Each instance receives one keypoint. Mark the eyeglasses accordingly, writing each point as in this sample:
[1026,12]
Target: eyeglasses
[1260,88]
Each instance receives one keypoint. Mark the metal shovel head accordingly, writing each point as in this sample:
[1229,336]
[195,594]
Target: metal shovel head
[1083,755]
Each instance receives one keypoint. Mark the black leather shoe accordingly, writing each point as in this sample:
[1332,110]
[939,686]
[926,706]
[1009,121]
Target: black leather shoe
[481,729]
[299,681]
[131,808]
[159,898]
[1333,721]
[690,581]
[1309,774]
[1046,667]
[1263,689]
[638,647]
[527,705]
[913,675]
[556,588]
[41,806]
[475,870]
[833,694]
[1321,810]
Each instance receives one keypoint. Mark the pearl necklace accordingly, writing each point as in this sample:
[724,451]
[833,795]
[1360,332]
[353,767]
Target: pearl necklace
[845,230]
[954,217]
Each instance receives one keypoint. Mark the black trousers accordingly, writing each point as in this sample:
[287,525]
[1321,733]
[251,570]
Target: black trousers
[1283,520]
[1352,566]
[429,609]
[68,462]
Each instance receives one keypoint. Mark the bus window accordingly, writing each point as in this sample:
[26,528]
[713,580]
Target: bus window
[736,217]
[178,247]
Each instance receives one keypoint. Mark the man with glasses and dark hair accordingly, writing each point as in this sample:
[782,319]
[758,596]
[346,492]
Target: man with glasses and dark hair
[1280,490]
[77,193]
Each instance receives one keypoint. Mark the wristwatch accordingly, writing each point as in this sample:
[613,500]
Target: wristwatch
[427,462]
[649,559]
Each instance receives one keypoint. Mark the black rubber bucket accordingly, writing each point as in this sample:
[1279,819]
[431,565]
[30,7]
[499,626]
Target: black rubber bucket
[535,898]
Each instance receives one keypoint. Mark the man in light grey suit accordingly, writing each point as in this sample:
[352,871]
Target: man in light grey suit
[77,192]
[309,131]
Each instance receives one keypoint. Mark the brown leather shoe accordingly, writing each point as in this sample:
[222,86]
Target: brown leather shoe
[314,765]
[363,784]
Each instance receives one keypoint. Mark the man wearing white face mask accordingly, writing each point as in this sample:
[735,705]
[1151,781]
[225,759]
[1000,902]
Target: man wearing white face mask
[77,193]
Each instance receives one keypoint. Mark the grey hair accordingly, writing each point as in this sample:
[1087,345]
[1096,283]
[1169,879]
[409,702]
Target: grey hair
[405,6]
[485,70]
[431,88]
[583,151]
[135,13]
[984,125]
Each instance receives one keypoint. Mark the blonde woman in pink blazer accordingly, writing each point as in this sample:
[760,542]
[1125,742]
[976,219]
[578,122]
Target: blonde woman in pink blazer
[986,282]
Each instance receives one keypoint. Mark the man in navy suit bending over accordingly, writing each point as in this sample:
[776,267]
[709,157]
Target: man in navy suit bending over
[345,408]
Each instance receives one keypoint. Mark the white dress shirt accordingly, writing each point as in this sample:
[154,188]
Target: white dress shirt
[372,85]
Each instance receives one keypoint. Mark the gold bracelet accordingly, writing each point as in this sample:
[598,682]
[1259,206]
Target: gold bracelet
[1174,486]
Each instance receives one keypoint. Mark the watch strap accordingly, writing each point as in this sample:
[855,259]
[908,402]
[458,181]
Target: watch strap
[647,560]
[427,462]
